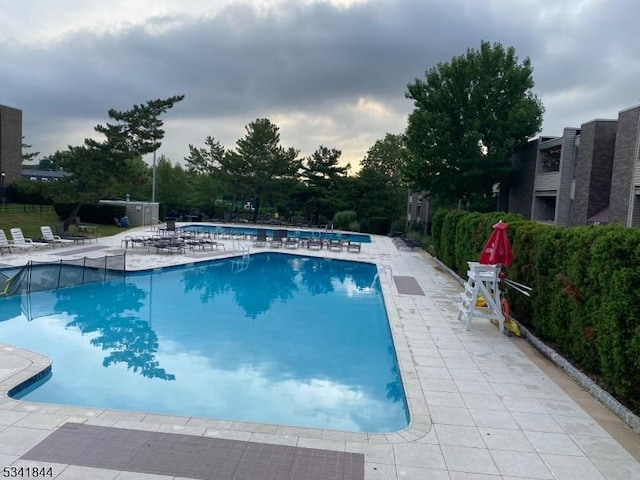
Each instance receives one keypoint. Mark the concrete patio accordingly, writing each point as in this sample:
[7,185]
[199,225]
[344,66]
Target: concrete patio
[483,406]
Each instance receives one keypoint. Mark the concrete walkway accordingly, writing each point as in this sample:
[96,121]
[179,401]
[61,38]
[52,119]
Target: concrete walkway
[483,406]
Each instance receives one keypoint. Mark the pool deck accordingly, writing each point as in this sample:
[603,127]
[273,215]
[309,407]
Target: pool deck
[483,406]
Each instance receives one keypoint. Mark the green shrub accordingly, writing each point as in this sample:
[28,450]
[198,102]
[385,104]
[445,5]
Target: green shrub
[91,213]
[525,237]
[437,222]
[379,225]
[398,226]
[446,250]
[614,271]
[30,192]
[467,240]
[418,226]
[342,220]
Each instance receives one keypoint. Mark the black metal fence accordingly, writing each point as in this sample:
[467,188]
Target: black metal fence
[27,208]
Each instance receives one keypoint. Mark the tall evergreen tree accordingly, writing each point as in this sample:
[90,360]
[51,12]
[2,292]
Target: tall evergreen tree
[261,161]
[206,160]
[322,173]
[99,166]
[30,156]
[209,177]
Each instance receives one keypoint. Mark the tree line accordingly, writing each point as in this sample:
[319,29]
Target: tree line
[258,179]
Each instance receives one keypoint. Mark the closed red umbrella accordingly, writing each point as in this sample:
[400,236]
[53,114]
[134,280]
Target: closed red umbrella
[497,249]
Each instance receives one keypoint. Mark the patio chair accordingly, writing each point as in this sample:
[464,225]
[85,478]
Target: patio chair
[279,236]
[335,245]
[314,243]
[203,242]
[353,247]
[171,246]
[83,227]
[4,243]
[19,239]
[291,242]
[49,237]
[75,238]
[261,238]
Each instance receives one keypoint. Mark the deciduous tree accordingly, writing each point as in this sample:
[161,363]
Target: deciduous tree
[387,157]
[470,114]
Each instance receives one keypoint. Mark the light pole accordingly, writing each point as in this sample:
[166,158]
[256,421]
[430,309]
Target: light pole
[153,179]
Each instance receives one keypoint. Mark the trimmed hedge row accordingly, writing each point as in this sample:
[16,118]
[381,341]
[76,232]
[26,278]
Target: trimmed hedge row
[586,288]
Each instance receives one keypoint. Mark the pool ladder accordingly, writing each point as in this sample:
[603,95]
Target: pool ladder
[240,264]
[382,269]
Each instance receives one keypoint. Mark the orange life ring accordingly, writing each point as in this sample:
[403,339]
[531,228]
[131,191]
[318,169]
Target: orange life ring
[510,325]
[506,310]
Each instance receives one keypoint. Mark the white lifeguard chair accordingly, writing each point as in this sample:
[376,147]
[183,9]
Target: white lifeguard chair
[482,280]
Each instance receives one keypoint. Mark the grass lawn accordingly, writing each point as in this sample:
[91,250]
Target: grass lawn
[30,221]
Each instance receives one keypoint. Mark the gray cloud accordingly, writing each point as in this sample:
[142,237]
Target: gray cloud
[313,60]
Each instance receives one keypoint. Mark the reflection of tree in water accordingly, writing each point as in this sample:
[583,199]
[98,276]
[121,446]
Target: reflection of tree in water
[365,277]
[394,387]
[210,280]
[269,278]
[319,276]
[131,340]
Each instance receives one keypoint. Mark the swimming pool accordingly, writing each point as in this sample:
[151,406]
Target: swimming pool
[274,338]
[291,232]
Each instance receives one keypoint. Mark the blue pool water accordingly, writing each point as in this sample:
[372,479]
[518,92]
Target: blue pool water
[323,234]
[281,339]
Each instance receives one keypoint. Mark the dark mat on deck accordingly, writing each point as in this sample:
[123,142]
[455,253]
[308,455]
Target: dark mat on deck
[191,456]
[407,286]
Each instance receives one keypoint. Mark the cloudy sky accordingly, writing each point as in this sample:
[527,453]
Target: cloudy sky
[330,72]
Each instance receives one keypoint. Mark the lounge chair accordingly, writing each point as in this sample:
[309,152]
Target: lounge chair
[170,245]
[291,242]
[335,245]
[4,243]
[49,237]
[261,238]
[314,242]
[279,236]
[83,227]
[74,237]
[19,239]
[353,247]
[204,242]
[117,222]
[138,240]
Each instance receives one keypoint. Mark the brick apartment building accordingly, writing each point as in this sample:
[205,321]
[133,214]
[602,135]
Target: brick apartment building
[588,175]
[10,145]
[624,203]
